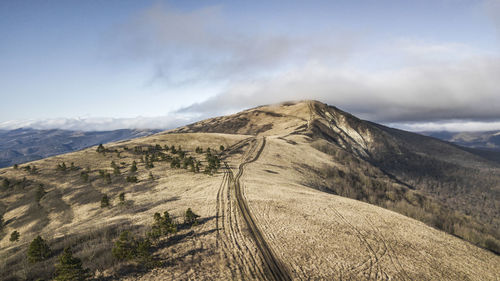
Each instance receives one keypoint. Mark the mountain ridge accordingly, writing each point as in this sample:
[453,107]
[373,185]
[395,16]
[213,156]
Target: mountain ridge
[332,196]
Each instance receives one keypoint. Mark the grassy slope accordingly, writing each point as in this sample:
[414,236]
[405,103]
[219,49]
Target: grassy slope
[316,234]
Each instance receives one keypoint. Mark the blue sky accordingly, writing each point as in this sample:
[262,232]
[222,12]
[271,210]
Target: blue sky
[113,64]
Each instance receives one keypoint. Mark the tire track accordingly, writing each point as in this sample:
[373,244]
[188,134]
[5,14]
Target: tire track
[276,270]
[393,257]
[370,265]
[240,256]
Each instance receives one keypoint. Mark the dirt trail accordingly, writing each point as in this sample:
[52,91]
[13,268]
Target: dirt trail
[275,268]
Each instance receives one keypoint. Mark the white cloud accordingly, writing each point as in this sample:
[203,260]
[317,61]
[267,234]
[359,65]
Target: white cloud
[462,90]
[100,124]
[454,126]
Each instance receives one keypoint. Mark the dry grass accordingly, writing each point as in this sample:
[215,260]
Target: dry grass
[315,234]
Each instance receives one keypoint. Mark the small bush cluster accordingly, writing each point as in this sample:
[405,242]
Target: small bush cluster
[14,236]
[105,176]
[132,179]
[128,247]
[162,225]
[31,169]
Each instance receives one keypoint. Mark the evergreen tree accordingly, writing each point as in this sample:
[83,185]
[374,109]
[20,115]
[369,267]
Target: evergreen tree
[116,169]
[133,169]
[132,179]
[122,197]
[40,192]
[190,218]
[14,236]
[70,268]
[124,248]
[100,149]
[38,250]
[5,183]
[84,176]
[104,201]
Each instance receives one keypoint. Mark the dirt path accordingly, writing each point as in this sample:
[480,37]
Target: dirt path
[275,269]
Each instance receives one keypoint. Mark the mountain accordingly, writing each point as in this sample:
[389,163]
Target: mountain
[26,144]
[299,190]
[489,140]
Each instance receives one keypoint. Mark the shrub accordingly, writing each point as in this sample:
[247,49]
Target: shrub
[133,169]
[122,197]
[100,149]
[162,225]
[5,183]
[116,169]
[127,247]
[70,268]
[190,218]
[151,177]
[38,250]
[62,167]
[104,201]
[221,148]
[1,221]
[84,176]
[105,176]
[14,236]
[40,192]
[132,179]
[16,166]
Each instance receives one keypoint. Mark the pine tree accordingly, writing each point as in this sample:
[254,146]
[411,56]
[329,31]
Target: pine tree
[14,236]
[40,192]
[38,250]
[122,197]
[100,149]
[70,268]
[190,218]
[124,248]
[104,201]
[133,169]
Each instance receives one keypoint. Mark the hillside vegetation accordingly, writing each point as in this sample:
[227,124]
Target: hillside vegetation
[265,194]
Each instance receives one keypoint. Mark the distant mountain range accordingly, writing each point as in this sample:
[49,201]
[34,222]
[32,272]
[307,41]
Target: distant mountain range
[480,140]
[26,144]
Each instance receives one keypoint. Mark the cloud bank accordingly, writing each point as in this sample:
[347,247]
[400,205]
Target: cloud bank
[386,80]
[100,124]
[408,82]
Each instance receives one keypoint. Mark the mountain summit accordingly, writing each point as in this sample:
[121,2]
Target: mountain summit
[298,190]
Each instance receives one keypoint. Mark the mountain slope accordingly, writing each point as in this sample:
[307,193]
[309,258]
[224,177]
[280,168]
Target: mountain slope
[489,140]
[273,213]
[441,184]
[23,145]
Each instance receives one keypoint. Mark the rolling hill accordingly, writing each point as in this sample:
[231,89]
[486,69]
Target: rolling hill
[25,144]
[489,140]
[299,190]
